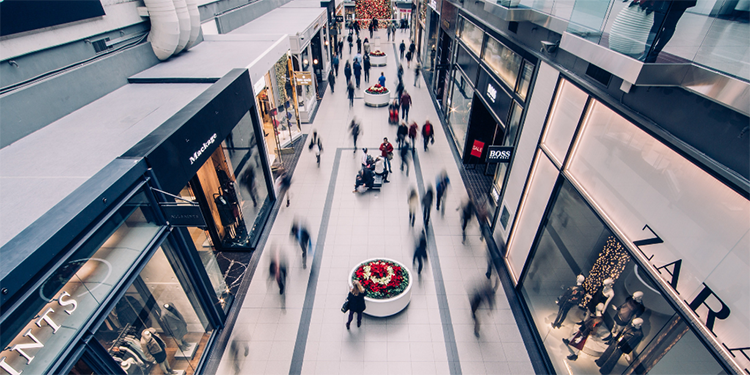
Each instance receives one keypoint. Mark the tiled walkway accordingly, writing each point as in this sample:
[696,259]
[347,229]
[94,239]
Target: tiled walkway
[304,332]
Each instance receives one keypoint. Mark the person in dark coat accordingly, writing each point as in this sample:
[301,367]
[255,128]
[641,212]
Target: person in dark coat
[402,48]
[484,292]
[413,130]
[302,235]
[467,211]
[401,133]
[336,64]
[350,93]
[428,134]
[347,71]
[331,80]
[408,59]
[427,205]
[405,104]
[366,67]
[359,45]
[350,40]
[357,72]
[420,252]
[357,305]
[412,47]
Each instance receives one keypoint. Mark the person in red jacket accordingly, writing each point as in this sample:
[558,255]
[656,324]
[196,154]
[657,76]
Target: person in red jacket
[386,148]
[405,104]
[427,133]
[413,130]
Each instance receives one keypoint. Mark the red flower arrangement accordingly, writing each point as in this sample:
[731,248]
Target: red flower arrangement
[377,89]
[381,278]
[377,53]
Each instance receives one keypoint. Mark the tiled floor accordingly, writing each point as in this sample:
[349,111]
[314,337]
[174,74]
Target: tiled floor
[304,331]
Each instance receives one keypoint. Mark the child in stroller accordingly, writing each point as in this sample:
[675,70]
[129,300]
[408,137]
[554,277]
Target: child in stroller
[393,113]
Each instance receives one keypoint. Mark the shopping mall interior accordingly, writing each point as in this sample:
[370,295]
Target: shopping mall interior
[256,186]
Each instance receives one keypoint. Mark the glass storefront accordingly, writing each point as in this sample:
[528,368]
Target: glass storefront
[504,62]
[471,35]
[459,108]
[157,323]
[502,168]
[71,295]
[574,241]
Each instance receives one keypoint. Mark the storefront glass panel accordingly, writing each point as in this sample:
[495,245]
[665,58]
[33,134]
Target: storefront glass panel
[502,168]
[650,190]
[306,92]
[472,36]
[504,62]
[574,241]
[563,120]
[157,323]
[460,108]
[67,300]
[523,85]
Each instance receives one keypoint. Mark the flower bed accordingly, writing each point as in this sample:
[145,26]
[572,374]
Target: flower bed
[377,89]
[378,58]
[381,278]
[387,286]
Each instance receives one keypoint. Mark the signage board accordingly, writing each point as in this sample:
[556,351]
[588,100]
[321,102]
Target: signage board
[21,16]
[499,154]
[339,18]
[303,78]
[183,215]
[476,148]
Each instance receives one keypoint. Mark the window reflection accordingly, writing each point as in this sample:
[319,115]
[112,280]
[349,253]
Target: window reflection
[472,36]
[504,62]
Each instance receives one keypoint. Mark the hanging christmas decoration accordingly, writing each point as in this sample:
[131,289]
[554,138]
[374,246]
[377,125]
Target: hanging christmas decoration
[609,264]
[365,10]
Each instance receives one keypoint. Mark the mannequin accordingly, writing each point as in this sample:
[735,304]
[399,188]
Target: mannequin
[153,348]
[628,339]
[603,295]
[631,308]
[570,298]
[130,367]
[578,340]
[173,320]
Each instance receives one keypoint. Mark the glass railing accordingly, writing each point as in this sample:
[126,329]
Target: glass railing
[706,32]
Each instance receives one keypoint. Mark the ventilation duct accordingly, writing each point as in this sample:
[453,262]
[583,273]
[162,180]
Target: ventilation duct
[165,27]
[195,22]
[183,17]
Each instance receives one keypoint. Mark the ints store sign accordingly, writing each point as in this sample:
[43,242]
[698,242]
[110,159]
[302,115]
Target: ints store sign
[499,154]
[476,148]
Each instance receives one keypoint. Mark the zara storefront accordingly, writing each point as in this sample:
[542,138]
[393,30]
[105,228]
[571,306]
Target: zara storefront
[630,257]
[125,274]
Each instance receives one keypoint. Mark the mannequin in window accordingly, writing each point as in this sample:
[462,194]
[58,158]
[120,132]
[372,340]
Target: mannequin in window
[578,340]
[631,308]
[625,342]
[604,296]
[175,323]
[153,348]
[570,298]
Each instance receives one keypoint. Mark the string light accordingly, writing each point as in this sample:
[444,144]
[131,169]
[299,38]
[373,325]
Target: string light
[610,264]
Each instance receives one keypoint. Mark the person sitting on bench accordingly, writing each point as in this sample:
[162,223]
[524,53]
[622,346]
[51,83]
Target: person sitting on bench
[364,177]
[380,168]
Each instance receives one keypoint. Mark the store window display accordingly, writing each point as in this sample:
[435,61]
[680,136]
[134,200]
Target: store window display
[156,324]
[613,320]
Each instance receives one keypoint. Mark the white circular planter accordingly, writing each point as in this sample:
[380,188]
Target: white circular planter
[378,60]
[389,306]
[377,100]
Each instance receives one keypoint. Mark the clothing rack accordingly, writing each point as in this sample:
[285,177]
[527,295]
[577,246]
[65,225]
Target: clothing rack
[120,337]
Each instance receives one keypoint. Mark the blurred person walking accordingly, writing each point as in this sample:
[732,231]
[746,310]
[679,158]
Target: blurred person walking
[235,348]
[331,81]
[302,236]
[413,131]
[350,93]
[283,183]
[336,64]
[417,71]
[348,72]
[420,252]
[405,105]
[467,211]
[413,201]
[366,68]
[401,133]
[355,132]
[441,186]
[402,49]
[427,205]
[428,134]
[357,72]
[482,293]
[404,152]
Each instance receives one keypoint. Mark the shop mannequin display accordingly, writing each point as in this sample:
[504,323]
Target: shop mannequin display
[578,340]
[131,367]
[175,323]
[631,308]
[570,298]
[604,296]
[625,342]
[153,348]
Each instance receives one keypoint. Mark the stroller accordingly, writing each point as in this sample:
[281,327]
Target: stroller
[393,113]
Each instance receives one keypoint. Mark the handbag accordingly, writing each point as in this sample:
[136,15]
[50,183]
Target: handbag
[345,306]
[390,155]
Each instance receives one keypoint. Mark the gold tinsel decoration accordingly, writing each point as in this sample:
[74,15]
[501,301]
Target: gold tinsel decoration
[609,264]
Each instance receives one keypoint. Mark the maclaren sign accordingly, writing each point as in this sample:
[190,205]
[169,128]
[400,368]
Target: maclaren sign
[303,78]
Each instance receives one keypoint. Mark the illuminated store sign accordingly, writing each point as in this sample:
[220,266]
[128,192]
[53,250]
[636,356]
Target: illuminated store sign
[491,92]
[65,303]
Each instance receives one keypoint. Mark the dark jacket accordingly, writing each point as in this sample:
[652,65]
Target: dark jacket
[356,303]
[367,64]
[348,71]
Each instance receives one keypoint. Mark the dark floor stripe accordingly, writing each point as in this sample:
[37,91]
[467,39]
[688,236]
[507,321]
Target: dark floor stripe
[298,355]
[454,364]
